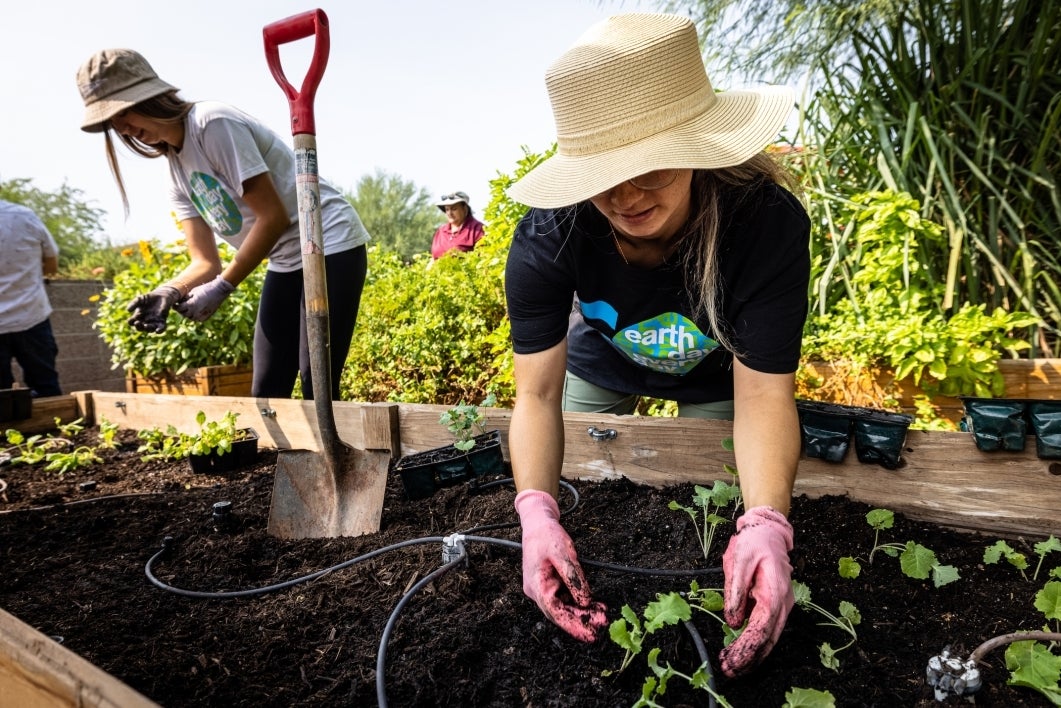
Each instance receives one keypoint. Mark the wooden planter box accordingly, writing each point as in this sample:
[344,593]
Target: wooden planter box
[204,381]
[944,478]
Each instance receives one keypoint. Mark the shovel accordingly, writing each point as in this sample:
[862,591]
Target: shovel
[339,490]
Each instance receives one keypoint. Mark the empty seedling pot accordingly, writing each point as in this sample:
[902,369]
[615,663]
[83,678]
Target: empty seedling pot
[1045,419]
[996,423]
[825,429]
[880,436]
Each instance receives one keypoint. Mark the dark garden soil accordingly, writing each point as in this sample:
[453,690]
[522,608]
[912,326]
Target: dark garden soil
[73,566]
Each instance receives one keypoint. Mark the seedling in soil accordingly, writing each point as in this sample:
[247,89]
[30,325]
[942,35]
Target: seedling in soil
[31,450]
[63,462]
[213,437]
[707,503]
[70,429]
[465,421]
[108,432]
[630,633]
[711,602]
[809,698]
[847,619]
[656,685]
[915,560]
[1000,549]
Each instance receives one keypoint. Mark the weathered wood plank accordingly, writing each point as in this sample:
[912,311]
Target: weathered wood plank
[36,672]
[945,479]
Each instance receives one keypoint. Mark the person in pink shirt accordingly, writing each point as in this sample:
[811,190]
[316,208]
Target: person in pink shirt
[461,231]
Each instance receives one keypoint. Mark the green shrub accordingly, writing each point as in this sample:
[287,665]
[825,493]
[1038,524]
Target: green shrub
[436,331]
[892,314]
[227,338]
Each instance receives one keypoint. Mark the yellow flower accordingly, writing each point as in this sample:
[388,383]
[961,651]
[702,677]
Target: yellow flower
[145,251]
[126,252]
[94,298]
[85,312]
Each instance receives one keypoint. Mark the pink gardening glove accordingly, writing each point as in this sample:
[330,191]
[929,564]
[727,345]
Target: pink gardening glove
[203,300]
[550,566]
[756,563]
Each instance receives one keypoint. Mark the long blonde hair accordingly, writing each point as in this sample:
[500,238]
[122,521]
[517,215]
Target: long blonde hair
[700,256]
[166,108]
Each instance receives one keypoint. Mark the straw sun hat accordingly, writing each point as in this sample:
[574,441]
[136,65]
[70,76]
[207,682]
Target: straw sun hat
[113,80]
[632,96]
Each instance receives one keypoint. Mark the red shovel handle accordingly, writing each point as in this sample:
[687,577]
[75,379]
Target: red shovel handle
[311,23]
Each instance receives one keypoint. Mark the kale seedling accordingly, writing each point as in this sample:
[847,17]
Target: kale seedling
[809,698]
[707,503]
[915,560]
[1032,664]
[1000,549]
[465,421]
[846,621]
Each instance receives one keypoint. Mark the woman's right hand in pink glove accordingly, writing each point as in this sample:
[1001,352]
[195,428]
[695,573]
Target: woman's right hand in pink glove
[552,576]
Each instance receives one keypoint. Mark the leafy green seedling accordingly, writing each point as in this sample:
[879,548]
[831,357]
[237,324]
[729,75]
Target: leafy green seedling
[808,698]
[70,429]
[915,560]
[32,449]
[465,421]
[706,505]
[63,462]
[656,685]
[1032,665]
[629,632]
[1000,549]
[847,619]
[711,602]
[108,432]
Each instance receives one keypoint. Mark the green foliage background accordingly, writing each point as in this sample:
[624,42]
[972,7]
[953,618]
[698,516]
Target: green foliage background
[400,216]
[225,338]
[436,331]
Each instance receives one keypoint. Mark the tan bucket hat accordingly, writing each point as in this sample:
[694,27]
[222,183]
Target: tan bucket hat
[113,80]
[632,96]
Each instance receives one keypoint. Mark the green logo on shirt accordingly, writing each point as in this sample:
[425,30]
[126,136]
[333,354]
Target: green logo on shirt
[215,205]
[669,343]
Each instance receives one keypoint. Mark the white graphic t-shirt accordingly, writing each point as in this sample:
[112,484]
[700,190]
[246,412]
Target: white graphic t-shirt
[223,147]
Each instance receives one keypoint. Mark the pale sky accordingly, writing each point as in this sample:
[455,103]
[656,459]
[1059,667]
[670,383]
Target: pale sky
[443,94]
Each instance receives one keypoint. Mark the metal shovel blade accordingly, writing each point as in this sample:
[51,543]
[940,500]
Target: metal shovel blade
[311,500]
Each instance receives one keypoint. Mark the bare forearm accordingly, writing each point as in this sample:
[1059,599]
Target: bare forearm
[536,444]
[766,440]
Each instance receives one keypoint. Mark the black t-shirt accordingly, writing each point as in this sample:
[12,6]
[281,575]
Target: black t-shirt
[631,329]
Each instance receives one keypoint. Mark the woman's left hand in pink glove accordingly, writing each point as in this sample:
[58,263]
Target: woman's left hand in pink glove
[756,565]
[203,300]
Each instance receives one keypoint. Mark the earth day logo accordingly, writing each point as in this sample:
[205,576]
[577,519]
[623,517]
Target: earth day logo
[669,343]
[214,204]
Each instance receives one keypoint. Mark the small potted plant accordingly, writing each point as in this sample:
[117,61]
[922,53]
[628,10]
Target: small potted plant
[475,452]
[217,448]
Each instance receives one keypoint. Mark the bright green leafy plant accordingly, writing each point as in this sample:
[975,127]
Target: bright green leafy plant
[1033,664]
[225,339]
[214,437]
[465,421]
[847,619]
[1000,549]
[915,561]
[808,698]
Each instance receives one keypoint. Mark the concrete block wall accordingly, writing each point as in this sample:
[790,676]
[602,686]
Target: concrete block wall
[84,360]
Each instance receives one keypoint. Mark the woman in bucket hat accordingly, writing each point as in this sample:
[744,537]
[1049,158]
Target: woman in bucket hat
[461,231]
[662,218]
[233,177]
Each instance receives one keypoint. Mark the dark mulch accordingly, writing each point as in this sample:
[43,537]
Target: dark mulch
[75,571]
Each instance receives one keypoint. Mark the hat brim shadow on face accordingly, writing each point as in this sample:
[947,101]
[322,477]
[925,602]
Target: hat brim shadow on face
[738,126]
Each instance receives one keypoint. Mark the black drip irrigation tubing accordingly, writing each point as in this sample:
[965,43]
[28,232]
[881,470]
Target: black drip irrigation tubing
[456,540]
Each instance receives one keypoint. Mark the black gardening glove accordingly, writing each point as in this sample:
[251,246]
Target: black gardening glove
[150,310]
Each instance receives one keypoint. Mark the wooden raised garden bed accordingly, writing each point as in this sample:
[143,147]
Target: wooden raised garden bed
[204,381]
[943,479]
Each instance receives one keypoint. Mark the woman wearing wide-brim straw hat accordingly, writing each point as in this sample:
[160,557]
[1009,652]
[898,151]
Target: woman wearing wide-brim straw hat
[233,177]
[664,220]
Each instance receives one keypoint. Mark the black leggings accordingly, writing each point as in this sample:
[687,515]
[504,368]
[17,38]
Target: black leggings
[280,353]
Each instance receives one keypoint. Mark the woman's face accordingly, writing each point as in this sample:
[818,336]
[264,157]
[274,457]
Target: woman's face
[143,128]
[455,213]
[648,213]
